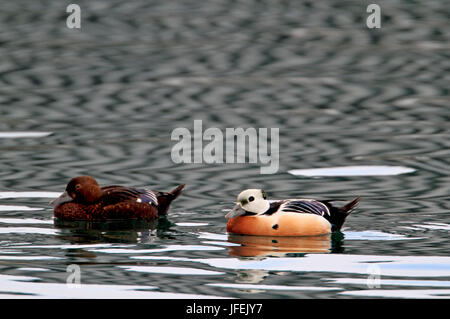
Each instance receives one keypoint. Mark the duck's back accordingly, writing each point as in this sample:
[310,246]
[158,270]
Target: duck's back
[119,202]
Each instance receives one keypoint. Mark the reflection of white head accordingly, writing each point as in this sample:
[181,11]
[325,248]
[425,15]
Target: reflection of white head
[251,200]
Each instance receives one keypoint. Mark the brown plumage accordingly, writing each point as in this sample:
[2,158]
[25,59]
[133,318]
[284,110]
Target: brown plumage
[84,199]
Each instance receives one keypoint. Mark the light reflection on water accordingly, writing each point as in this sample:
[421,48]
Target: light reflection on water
[353,171]
[409,266]
[253,260]
[105,100]
[27,287]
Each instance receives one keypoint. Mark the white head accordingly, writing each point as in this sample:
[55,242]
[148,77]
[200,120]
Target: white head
[251,200]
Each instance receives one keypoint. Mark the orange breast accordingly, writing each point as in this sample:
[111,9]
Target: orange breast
[285,224]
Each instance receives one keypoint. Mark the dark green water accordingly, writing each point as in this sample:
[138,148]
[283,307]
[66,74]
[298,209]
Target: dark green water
[105,99]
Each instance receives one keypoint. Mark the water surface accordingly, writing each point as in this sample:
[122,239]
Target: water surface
[104,100]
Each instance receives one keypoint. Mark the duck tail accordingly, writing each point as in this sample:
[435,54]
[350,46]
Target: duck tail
[177,191]
[165,199]
[350,206]
[339,214]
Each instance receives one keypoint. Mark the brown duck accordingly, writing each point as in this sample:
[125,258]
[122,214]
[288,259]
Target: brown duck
[84,199]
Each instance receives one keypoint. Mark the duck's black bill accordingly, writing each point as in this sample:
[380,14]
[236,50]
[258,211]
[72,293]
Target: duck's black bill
[64,198]
[235,212]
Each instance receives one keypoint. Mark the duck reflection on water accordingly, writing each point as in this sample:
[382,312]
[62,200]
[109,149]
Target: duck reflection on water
[264,246]
[118,231]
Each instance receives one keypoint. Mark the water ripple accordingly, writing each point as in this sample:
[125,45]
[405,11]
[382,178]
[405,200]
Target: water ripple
[103,101]
[405,266]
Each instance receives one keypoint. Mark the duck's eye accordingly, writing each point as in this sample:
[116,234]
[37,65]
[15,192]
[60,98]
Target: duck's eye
[251,199]
[78,186]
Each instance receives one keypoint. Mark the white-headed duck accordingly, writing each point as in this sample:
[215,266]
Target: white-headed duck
[253,214]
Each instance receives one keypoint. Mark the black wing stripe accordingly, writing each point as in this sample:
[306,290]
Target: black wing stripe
[118,193]
[310,208]
[300,207]
[303,206]
[121,191]
[320,207]
[148,196]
